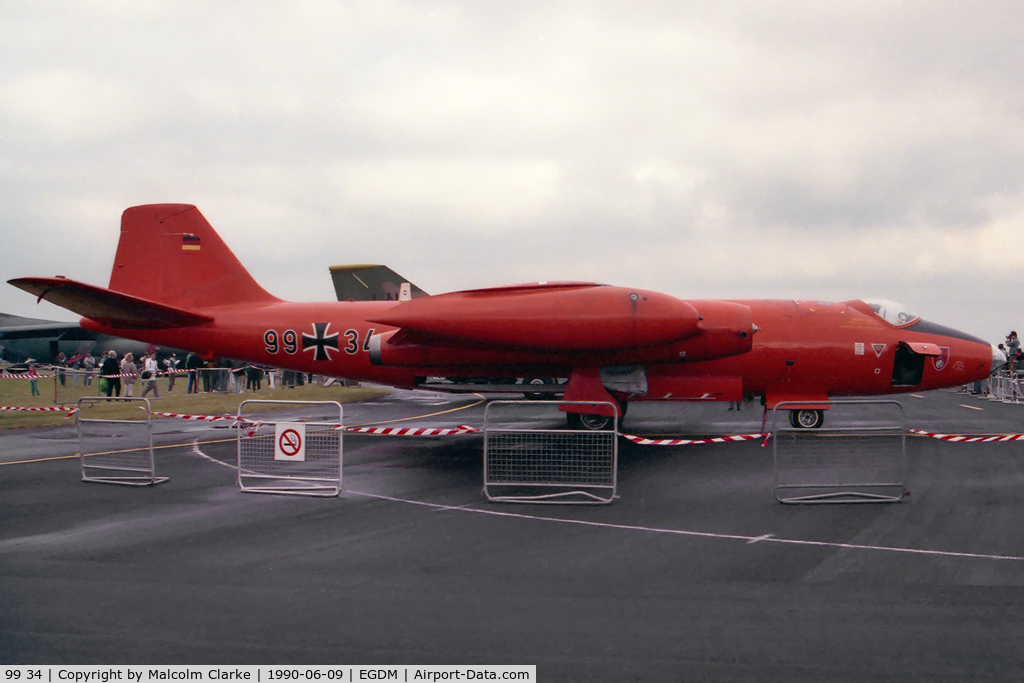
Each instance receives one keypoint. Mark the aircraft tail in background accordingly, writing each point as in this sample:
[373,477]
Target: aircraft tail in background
[370,283]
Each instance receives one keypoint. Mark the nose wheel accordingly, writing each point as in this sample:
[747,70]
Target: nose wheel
[807,418]
[537,381]
[589,422]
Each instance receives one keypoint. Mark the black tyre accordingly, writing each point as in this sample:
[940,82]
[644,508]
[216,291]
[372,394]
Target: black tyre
[536,395]
[588,422]
[807,418]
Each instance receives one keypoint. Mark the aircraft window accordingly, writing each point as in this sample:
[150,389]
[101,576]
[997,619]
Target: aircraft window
[892,312]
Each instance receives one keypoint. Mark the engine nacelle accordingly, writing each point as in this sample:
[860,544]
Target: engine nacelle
[726,329]
[568,318]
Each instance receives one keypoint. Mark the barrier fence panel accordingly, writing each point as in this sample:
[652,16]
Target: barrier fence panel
[538,464]
[212,380]
[861,463]
[289,458]
[69,385]
[169,382]
[996,389]
[130,462]
[1005,387]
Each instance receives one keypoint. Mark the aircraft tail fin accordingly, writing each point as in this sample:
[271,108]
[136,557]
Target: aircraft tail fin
[170,254]
[370,283]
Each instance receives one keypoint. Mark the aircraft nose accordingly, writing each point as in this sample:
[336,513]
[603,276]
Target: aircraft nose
[998,358]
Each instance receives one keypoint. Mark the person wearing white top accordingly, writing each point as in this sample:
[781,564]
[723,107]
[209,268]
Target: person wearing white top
[149,369]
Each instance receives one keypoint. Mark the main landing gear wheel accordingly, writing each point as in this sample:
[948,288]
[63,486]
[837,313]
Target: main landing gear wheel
[536,395]
[807,418]
[588,421]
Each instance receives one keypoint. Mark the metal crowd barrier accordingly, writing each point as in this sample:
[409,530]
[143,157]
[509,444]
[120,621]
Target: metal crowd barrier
[69,385]
[211,380]
[1006,387]
[289,458]
[133,466]
[543,465]
[862,464]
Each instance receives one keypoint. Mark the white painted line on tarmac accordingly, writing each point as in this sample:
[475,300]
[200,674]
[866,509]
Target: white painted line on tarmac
[750,540]
[197,451]
[454,507]
[767,538]
[230,466]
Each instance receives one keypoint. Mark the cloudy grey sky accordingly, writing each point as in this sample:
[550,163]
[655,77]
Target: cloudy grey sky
[746,149]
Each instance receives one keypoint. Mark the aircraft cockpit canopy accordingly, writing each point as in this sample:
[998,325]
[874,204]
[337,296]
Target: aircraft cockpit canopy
[892,312]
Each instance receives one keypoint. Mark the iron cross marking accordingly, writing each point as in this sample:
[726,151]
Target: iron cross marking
[320,341]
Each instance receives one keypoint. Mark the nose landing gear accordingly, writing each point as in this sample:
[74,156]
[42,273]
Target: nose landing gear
[595,423]
[537,381]
[589,422]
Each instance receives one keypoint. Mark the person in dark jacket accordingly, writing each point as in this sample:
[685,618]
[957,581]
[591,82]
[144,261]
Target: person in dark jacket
[171,363]
[253,377]
[192,364]
[109,371]
[62,364]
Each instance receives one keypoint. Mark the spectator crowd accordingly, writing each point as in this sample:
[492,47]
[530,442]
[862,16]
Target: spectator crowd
[118,376]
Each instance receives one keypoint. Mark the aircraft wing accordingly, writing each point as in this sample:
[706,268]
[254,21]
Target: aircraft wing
[51,329]
[369,283]
[107,306]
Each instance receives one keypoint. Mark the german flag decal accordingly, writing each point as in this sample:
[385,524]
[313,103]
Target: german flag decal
[189,243]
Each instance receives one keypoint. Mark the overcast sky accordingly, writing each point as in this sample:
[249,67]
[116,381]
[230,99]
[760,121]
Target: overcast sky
[821,150]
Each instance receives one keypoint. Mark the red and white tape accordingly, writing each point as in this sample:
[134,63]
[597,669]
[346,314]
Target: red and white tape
[644,441]
[25,375]
[43,409]
[139,374]
[967,438]
[466,429]
[208,418]
[411,431]
[382,431]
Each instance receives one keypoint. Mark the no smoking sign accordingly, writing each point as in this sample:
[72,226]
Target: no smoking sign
[290,441]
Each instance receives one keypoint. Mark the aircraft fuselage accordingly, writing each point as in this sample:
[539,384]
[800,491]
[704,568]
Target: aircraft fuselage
[799,351]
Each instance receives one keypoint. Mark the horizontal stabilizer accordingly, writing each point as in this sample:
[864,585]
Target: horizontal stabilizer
[106,306]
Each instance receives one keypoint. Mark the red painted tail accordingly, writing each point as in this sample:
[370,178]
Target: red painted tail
[170,254]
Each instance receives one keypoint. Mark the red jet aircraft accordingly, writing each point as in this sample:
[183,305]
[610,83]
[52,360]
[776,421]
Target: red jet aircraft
[175,283]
